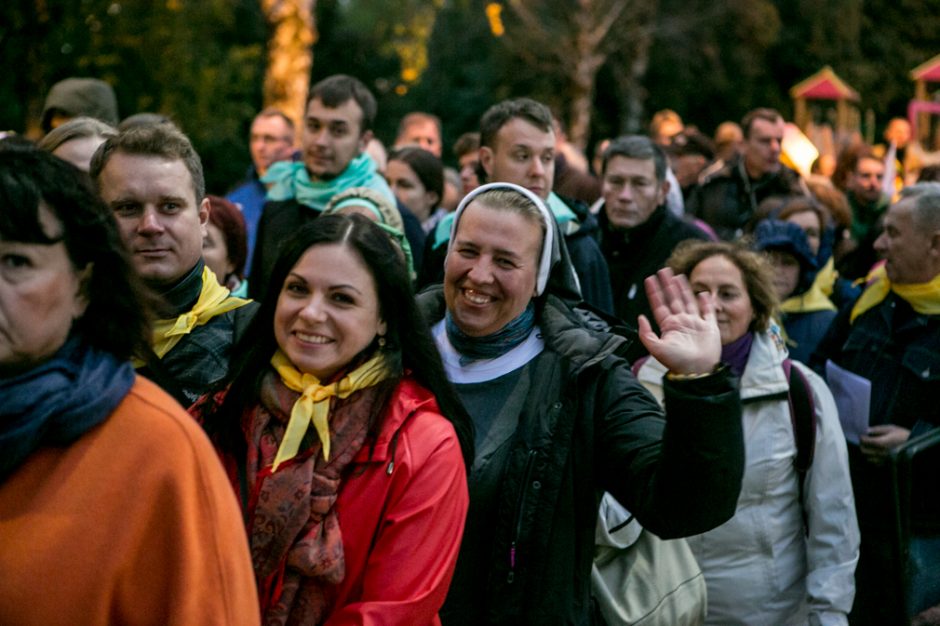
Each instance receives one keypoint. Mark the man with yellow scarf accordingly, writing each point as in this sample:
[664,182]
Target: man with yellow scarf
[152,179]
[891,337]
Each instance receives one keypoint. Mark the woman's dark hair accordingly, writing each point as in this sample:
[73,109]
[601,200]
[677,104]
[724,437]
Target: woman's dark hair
[408,343]
[225,216]
[115,320]
[427,167]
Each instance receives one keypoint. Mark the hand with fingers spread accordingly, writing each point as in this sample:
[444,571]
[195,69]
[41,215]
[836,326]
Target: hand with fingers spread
[689,342]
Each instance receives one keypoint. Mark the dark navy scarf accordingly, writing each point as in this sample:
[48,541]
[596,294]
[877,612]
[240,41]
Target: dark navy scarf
[490,346]
[58,401]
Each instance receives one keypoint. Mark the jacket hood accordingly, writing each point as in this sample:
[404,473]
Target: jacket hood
[576,334]
[777,235]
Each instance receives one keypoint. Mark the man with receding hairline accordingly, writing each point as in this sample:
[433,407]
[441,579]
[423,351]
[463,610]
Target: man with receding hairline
[422,130]
[891,338]
[271,140]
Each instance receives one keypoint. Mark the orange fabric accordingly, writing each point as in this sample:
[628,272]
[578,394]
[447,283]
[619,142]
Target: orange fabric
[134,523]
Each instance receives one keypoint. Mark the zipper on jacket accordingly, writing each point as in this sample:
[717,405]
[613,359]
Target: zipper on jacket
[392,448]
[530,462]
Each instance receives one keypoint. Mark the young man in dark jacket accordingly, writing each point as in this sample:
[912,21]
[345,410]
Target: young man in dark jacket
[337,126]
[727,199]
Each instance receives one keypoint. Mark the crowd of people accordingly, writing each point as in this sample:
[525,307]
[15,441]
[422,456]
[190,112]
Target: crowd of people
[364,387]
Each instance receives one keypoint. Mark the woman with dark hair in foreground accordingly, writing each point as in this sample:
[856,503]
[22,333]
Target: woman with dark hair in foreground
[350,473]
[114,506]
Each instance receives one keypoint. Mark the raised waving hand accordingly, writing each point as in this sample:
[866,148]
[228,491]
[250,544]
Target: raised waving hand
[689,342]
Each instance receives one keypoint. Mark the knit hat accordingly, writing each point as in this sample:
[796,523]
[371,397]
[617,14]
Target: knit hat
[387,216]
[75,97]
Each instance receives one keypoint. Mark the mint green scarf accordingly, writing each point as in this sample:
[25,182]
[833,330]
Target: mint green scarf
[289,180]
[566,218]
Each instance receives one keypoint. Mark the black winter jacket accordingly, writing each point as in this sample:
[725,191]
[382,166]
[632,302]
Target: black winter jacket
[728,199]
[635,253]
[589,426]
[202,358]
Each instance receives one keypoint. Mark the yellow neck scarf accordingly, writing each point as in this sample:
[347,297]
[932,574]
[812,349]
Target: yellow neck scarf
[814,298]
[313,405]
[826,277]
[213,300]
[923,297]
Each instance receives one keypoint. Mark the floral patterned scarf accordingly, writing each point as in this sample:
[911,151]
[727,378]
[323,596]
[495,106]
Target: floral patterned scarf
[294,534]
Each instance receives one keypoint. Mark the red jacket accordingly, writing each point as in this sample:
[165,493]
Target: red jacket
[403,517]
[401,510]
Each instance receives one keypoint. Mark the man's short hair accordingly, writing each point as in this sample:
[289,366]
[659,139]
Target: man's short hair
[926,209]
[763,113]
[340,88]
[159,140]
[503,112]
[637,147]
[662,117]
[466,143]
[276,112]
[417,117]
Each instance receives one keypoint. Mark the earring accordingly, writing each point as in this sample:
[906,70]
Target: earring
[381,341]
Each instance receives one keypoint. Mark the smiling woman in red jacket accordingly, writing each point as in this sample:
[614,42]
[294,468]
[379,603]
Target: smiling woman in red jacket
[357,519]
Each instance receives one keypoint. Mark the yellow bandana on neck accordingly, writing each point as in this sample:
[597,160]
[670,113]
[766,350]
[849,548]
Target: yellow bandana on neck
[213,300]
[924,298]
[313,405]
[811,300]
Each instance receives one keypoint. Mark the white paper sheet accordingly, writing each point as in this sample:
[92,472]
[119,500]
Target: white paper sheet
[852,394]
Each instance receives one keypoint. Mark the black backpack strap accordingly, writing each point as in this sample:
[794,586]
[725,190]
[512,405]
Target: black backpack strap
[803,420]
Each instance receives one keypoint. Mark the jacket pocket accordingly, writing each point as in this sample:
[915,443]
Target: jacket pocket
[923,362]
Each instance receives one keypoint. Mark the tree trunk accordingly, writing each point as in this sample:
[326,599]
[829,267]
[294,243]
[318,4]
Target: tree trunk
[290,55]
[582,99]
